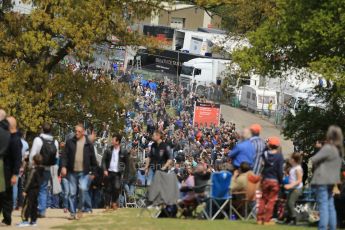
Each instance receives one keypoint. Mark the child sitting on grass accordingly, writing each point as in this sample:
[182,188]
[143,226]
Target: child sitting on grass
[30,193]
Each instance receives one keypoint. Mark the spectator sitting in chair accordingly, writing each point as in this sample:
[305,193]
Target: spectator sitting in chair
[239,180]
[188,184]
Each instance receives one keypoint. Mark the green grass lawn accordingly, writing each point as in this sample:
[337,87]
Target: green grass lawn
[128,219]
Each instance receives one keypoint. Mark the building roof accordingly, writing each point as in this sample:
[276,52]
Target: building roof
[174,7]
[211,30]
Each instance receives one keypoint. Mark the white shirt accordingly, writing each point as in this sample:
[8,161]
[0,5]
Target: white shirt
[114,162]
[293,176]
[38,143]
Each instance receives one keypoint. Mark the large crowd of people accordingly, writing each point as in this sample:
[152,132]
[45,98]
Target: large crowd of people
[158,135]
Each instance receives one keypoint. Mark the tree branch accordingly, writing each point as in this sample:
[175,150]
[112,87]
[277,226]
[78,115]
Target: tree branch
[54,60]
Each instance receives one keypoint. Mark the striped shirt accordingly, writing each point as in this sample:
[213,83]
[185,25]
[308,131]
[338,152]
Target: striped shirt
[259,146]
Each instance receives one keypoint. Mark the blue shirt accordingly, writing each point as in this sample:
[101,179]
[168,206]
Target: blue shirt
[242,152]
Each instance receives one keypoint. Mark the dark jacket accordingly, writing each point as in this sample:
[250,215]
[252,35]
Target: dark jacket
[34,179]
[273,166]
[4,138]
[68,156]
[13,159]
[123,160]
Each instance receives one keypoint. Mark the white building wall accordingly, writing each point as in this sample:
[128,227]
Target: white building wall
[20,7]
[207,20]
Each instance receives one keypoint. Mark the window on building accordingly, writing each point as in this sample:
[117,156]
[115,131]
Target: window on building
[178,23]
[266,99]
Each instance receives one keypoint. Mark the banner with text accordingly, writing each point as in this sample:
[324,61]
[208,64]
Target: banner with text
[206,114]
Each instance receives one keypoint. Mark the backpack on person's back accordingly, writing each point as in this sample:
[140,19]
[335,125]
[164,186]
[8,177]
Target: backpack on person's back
[48,152]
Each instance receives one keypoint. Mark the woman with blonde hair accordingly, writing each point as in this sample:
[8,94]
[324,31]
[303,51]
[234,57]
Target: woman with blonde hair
[326,173]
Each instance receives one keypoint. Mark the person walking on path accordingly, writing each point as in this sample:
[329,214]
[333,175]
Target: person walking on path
[78,163]
[48,148]
[31,191]
[114,164]
[326,174]
[270,108]
[9,166]
[4,188]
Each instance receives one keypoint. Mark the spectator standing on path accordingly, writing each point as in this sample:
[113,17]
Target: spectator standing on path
[78,163]
[12,163]
[48,148]
[243,151]
[18,187]
[15,148]
[5,176]
[259,147]
[272,176]
[31,190]
[327,165]
[294,187]
[159,157]
[9,166]
[270,107]
[114,164]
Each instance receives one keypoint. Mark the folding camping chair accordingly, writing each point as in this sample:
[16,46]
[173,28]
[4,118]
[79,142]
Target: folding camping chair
[246,206]
[220,195]
[189,207]
[141,196]
[307,208]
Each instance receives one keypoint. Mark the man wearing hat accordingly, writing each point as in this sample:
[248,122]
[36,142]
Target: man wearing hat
[259,147]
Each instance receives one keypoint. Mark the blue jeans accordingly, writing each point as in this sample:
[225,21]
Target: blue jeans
[15,193]
[43,193]
[77,182]
[65,192]
[325,200]
[87,205]
[130,188]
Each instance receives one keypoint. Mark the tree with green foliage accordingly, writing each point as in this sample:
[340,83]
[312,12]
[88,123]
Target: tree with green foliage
[287,34]
[33,86]
[308,33]
[242,16]
[310,123]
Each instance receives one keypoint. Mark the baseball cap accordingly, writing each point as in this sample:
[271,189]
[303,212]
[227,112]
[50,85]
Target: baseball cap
[255,128]
[273,141]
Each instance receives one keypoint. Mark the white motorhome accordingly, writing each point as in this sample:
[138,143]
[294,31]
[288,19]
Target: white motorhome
[195,42]
[200,73]
[257,99]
